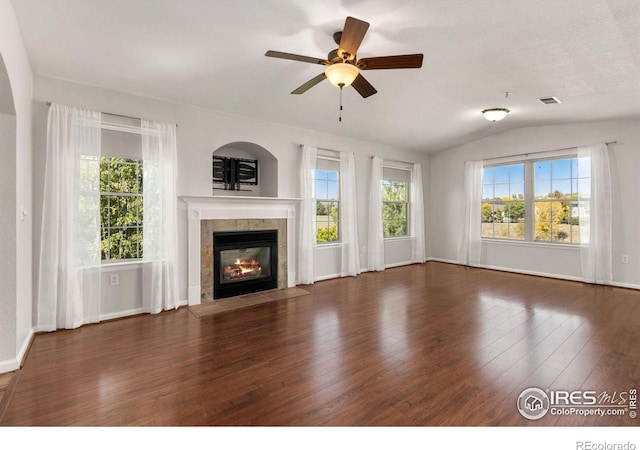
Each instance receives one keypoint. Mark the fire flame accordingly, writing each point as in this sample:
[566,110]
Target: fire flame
[243,268]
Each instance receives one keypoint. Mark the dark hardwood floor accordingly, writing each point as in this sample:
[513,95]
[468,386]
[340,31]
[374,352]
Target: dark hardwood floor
[431,344]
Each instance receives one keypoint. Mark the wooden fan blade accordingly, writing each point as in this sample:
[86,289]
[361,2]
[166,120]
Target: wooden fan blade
[363,87]
[292,57]
[391,62]
[309,84]
[352,36]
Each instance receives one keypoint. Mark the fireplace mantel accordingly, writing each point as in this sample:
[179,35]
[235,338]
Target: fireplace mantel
[226,207]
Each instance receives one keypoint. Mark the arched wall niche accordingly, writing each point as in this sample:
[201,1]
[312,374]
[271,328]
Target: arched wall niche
[267,168]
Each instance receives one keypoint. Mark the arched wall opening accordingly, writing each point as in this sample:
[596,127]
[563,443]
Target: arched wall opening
[267,168]
[8,200]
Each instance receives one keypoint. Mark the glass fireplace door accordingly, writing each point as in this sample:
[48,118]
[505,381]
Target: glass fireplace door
[245,264]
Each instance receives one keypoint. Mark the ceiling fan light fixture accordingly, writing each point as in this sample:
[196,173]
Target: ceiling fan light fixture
[495,114]
[341,74]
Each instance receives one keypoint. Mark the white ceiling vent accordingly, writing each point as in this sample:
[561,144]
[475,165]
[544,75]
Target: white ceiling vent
[549,100]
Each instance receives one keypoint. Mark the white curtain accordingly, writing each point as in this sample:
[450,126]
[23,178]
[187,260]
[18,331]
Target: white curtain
[595,214]
[416,214]
[469,243]
[69,266]
[306,231]
[349,216]
[375,241]
[160,223]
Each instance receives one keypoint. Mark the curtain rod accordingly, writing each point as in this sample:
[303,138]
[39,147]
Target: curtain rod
[407,169]
[114,114]
[541,151]
[394,161]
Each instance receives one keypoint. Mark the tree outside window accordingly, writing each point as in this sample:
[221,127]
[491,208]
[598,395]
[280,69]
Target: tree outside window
[121,208]
[557,184]
[327,186]
[394,208]
[503,202]
[542,206]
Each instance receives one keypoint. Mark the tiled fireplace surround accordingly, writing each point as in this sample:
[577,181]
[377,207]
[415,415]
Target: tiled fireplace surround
[206,215]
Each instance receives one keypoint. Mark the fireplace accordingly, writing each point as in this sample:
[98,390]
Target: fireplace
[244,262]
[216,214]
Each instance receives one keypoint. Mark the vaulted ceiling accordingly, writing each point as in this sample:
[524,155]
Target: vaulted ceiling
[210,53]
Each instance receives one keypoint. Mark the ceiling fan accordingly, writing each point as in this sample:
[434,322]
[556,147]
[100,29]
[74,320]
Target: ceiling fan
[343,69]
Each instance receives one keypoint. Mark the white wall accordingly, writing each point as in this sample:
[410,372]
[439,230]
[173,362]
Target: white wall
[447,198]
[199,133]
[8,231]
[16,300]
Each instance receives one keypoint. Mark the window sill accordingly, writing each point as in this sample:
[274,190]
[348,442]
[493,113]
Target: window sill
[329,245]
[530,244]
[398,238]
[121,265]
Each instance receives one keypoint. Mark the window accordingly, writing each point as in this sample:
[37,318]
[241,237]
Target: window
[121,206]
[327,186]
[395,201]
[535,200]
[503,207]
[121,196]
[557,185]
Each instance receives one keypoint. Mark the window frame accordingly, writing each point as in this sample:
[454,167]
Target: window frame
[106,226]
[530,198]
[397,171]
[406,204]
[323,200]
[523,200]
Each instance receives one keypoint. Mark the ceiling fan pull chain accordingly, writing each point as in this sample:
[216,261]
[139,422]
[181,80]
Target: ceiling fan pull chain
[340,117]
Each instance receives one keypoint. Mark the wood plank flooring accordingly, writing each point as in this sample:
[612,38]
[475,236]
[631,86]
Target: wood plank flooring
[423,345]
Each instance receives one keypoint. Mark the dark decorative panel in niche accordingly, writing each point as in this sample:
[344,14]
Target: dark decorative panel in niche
[232,173]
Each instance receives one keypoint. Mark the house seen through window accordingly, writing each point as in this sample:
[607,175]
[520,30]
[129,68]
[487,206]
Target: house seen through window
[535,200]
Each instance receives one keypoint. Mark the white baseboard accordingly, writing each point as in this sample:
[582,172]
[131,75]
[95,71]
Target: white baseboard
[9,365]
[442,260]
[625,285]
[119,314]
[25,345]
[399,264]
[365,270]
[529,272]
[133,312]
[328,277]
[535,273]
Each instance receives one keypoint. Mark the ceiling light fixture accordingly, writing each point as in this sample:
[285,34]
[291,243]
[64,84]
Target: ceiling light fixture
[495,114]
[341,74]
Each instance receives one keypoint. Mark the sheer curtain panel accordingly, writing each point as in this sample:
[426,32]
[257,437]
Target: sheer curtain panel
[416,217]
[375,240]
[69,266]
[160,223]
[307,236]
[349,216]
[469,245]
[594,210]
